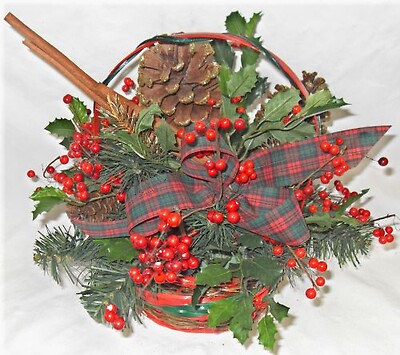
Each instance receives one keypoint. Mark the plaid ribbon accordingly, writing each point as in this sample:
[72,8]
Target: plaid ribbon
[268,206]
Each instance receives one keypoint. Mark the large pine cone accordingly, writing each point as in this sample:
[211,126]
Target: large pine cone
[180,79]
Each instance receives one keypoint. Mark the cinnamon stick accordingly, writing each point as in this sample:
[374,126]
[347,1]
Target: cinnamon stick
[98,92]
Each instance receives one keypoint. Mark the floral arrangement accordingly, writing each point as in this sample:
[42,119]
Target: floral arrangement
[197,192]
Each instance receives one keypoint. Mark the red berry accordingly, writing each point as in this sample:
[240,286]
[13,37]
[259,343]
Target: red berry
[308,190]
[300,253]
[128,81]
[111,307]
[322,266]
[193,262]
[168,253]
[236,99]
[220,165]
[172,240]
[239,124]
[313,263]
[339,141]
[313,209]
[186,239]
[325,146]
[50,169]
[224,123]
[277,250]
[389,229]
[160,277]
[64,159]
[121,196]
[174,219]
[311,293]
[243,178]
[31,174]
[233,217]
[383,239]
[240,109]
[140,242]
[209,164]
[95,148]
[334,149]
[105,188]
[296,109]
[320,281]
[389,238]
[180,133]
[232,205]
[200,127]
[118,323]
[171,276]
[190,138]
[212,173]
[164,214]
[109,316]
[322,194]
[217,217]
[286,120]
[125,88]
[211,102]
[211,134]
[292,263]
[136,100]
[67,99]
[383,161]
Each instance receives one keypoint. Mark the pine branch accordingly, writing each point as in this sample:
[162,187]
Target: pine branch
[61,250]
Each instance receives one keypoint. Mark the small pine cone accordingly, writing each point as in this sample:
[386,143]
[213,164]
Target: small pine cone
[313,83]
[180,79]
[96,211]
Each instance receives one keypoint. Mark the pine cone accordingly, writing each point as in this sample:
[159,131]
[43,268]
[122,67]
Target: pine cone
[180,79]
[96,211]
[313,83]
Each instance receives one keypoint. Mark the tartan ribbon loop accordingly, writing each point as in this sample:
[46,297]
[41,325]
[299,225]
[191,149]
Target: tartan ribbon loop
[268,205]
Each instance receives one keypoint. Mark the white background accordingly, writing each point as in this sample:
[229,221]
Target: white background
[355,46]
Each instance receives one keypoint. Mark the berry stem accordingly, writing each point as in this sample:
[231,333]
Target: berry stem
[383,217]
[301,265]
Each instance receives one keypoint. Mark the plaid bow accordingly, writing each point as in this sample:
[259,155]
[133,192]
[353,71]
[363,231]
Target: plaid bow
[268,204]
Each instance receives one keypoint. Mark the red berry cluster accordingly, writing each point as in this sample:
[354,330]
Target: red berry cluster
[112,316]
[236,101]
[163,260]
[338,163]
[232,213]
[384,234]
[84,141]
[168,220]
[246,172]
[215,167]
[128,85]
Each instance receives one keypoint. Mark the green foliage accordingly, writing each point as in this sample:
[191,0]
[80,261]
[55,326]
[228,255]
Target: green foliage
[166,137]
[320,102]
[299,132]
[47,197]
[279,106]
[279,311]
[146,118]
[224,54]
[79,110]
[213,275]
[61,127]
[267,332]
[242,81]
[116,249]
[223,310]
[263,268]
[242,322]
[132,142]
[250,240]
[62,250]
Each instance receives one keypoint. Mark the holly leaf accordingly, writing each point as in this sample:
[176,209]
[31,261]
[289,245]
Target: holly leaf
[166,137]
[116,249]
[46,198]
[249,56]
[321,219]
[146,118]
[303,131]
[242,322]
[224,76]
[66,142]
[61,127]
[242,81]
[266,332]
[349,201]
[280,105]
[224,54]
[79,110]
[257,92]
[279,311]
[235,23]
[250,241]
[223,310]
[228,109]
[252,24]
[213,275]
[265,269]
[319,102]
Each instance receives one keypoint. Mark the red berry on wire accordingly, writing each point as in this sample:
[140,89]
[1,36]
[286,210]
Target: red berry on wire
[64,159]
[320,281]
[311,293]
[31,174]
[383,161]
[67,99]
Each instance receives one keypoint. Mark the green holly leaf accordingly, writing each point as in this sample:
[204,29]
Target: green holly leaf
[116,249]
[266,270]
[166,137]
[319,102]
[349,201]
[300,132]
[242,322]
[223,310]
[321,219]
[280,105]
[61,127]
[46,198]
[279,311]
[146,118]
[79,110]
[266,332]
[213,275]
[224,76]
[224,54]
[66,142]
[257,92]
[228,109]
[249,57]
[242,81]
[235,23]
[250,241]
[251,25]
